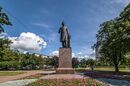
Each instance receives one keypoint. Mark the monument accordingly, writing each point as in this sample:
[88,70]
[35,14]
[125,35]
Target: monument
[64,70]
[65,52]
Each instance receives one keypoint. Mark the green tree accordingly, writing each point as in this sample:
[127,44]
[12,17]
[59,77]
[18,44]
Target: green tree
[75,62]
[113,39]
[83,63]
[54,61]
[4,48]
[4,20]
[91,63]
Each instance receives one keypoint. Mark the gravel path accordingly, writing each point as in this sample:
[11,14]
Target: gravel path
[18,82]
[28,73]
[63,76]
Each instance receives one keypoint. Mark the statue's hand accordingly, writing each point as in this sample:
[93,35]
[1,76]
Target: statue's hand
[59,30]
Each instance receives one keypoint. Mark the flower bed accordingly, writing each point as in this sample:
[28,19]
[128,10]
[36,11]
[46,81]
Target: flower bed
[69,82]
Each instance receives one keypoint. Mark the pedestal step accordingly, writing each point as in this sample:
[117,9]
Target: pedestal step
[64,71]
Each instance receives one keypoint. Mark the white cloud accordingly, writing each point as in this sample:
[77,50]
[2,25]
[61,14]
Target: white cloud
[56,53]
[3,35]
[73,54]
[28,41]
[82,55]
[86,53]
[79,55]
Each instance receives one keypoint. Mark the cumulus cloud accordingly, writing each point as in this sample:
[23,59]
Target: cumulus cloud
[3,35]
[56,53]
[28,41]
[82,55]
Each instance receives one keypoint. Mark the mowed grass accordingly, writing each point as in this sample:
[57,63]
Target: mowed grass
[103,69]
[112,69]
[10,73]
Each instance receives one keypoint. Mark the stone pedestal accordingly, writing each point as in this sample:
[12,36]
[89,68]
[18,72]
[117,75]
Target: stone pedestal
[65,61]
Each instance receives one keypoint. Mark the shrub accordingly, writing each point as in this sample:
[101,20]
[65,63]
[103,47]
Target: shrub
[9,65]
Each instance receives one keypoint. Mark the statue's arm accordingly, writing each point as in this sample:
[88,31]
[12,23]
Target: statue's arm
[59,30]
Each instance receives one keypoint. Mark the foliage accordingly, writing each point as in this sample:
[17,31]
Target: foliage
[4,48]
[91,63]
[54,61]
[4,20]
[75,62]
[10,73]
[9,65]
[83,63]
[113,39]
[10,59]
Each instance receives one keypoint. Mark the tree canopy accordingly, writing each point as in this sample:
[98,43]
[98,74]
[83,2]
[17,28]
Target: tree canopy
[4,20]
[113,38]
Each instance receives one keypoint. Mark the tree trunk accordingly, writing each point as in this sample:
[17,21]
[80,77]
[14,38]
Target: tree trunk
[116,68]
[92,68]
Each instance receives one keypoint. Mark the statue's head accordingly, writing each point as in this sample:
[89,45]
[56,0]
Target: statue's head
[63,24]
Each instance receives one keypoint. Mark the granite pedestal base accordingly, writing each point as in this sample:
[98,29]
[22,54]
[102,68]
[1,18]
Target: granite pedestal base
[65,61]
[65,71]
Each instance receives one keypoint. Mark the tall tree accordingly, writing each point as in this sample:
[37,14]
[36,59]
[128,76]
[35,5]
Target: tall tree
[91,63]
[54,61]
[4,48]
[113,38]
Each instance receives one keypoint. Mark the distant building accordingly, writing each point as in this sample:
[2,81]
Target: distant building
[43,56]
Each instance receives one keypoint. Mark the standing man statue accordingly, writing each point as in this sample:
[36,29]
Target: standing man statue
[64,36]
[65,52]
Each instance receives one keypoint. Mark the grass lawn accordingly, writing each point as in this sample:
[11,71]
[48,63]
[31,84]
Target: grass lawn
[103,69]
[10,73]
[72,82]
[112,69]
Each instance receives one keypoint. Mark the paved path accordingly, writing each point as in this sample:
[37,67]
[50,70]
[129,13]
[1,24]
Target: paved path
[19,76]
[63,76]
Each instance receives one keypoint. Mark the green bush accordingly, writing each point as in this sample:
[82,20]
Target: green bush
[9,65]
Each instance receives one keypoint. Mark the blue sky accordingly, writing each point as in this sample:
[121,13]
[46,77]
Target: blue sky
[44,17]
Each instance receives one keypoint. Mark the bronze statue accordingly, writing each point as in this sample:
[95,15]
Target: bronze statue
[64,36]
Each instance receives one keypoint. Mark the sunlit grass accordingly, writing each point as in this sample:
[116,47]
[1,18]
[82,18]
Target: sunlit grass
[10,73]
[103,69]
